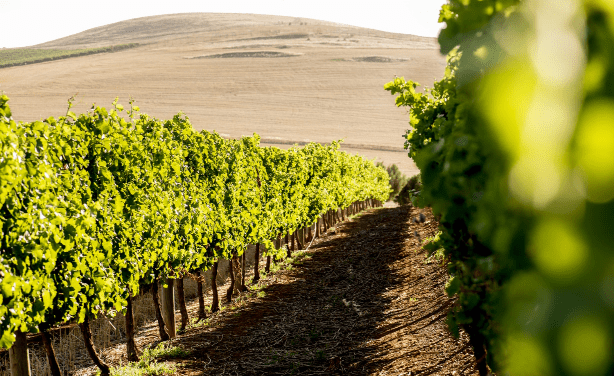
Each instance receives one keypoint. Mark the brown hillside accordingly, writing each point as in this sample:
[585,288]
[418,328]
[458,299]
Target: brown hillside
[285,78]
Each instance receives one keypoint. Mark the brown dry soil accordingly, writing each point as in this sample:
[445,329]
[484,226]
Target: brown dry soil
[285,78]
[367,301]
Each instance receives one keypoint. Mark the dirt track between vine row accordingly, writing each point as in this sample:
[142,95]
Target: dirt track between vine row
[366,301]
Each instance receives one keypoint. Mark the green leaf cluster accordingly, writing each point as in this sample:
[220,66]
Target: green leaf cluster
[515,149]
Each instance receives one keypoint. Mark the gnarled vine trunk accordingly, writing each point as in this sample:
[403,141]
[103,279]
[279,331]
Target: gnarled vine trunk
[91,349]
[202,314]
[256,264]
[164,336]
[237,270]
[243,287]
[131,348]
[54,367]
[477,340]
[231,272]
[297,238]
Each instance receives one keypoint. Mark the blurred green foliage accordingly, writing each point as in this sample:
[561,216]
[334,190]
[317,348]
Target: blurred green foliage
[410,193]
[516,150]
[397,179]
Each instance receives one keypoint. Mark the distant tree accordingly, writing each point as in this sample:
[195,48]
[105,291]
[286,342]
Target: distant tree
[397,179]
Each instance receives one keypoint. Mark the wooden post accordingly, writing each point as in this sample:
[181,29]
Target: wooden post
[182,307]
[231,272]
[20,356]
[299,243]
[215,302]
[54,367]
[243,288]
[167,302]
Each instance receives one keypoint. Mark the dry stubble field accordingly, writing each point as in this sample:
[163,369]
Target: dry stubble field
[284,78]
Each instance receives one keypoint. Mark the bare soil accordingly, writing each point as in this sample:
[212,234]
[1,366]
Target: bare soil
[333,90]
[378,59]
[367,301]
[232,55]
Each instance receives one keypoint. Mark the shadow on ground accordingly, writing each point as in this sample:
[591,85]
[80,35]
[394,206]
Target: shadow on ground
[334,312]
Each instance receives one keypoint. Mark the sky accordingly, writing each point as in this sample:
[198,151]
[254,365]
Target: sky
[29,22]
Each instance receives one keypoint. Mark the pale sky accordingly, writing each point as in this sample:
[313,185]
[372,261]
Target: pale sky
[28,22]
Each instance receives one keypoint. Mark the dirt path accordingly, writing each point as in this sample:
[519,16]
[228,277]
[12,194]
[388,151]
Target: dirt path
[362,301]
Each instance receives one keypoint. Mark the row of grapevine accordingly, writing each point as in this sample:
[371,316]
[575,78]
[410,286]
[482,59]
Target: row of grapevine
[96,206]
[516,147]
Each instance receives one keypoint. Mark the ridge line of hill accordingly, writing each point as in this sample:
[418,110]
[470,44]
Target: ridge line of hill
[164,27]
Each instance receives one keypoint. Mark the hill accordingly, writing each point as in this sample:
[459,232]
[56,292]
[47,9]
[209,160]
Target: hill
[288,79]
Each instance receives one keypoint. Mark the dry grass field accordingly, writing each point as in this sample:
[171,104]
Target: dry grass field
[284,78]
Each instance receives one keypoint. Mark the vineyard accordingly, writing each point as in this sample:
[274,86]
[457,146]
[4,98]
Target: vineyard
[98,206]
[515,147]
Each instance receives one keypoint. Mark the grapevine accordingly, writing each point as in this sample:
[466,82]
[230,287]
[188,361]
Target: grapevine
[97,206]
[514,147]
